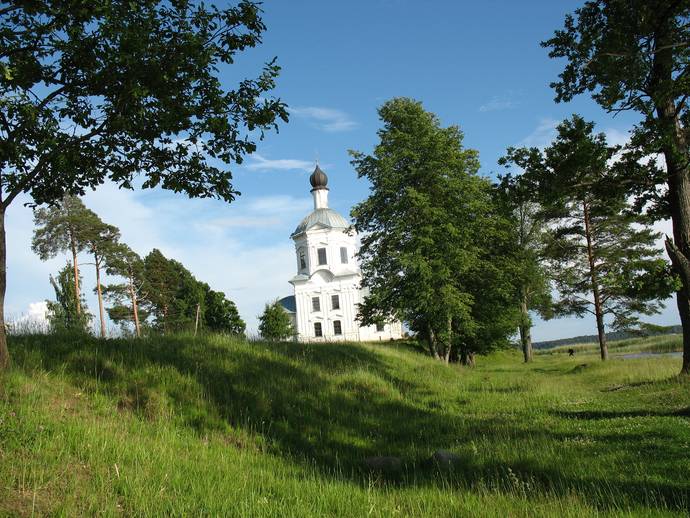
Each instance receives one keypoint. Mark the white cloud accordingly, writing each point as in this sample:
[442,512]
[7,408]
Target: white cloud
[34,319]
[280,204]
[263,212]
[260,163]
[325,119]
[498,103]
[542,135]
[242,249]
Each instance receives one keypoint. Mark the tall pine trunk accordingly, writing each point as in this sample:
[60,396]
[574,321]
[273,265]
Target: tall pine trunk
[4,352]
[525,330]
[100,295]
[675,150]
[598,310]
[73,246]
[135,309]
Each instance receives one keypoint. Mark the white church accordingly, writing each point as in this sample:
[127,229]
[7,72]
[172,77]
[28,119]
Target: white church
[327,283]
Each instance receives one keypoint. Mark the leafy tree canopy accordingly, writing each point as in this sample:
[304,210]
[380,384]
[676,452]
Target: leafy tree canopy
[66,313]
[424,225]
[126,91]
[274,323]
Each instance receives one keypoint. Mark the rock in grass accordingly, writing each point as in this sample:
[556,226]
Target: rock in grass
[383,464]
[445,459]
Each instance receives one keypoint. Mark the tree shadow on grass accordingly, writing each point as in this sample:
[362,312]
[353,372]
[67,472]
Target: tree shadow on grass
[332,405]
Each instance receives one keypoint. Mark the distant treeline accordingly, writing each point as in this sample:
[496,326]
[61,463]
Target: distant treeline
[616,335]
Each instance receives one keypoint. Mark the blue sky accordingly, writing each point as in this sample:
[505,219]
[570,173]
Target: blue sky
[475,64]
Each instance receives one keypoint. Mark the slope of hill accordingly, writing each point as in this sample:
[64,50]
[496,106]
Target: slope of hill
[214,426]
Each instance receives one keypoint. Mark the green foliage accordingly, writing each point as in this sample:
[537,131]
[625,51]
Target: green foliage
[129,92]
[274,323]
[633,56]
[601,255]
[428,229]
[125,263]
[220,314]
[218,426]
[61,228]
[172,294]
[515,201]
[92,67]
[66,313]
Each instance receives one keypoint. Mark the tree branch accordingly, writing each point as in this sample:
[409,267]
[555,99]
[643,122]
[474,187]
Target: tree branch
[30,177]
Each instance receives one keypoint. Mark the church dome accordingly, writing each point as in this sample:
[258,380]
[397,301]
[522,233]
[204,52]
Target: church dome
[318,179]
[327,218]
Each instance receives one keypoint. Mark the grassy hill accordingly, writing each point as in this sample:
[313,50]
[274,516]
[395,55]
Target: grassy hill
[213,426]
[611,336]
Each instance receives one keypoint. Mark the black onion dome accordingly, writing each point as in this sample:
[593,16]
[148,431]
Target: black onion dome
[318,179]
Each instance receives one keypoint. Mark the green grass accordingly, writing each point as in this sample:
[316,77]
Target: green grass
[212,426]
[652,344]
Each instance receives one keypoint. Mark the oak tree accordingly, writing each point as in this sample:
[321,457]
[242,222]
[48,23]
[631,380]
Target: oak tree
[129,92]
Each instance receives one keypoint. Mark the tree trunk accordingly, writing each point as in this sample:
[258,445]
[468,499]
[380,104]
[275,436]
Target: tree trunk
[449,338]
[598,310]
[76,275]
[100,295]
[675,149]
[525,330]
[135,309]
[467,358]
[196,319]
[432,342]
[4,352]
[679,250]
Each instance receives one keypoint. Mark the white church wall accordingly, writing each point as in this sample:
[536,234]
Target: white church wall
[335,277]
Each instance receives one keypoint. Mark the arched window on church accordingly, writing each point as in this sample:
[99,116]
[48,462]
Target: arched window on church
[302,259]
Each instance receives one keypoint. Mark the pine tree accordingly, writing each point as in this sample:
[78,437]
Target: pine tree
[101,242]
[126,297]
[160,286]
[61,228]
[274,323]
[633,56]
[600,254]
